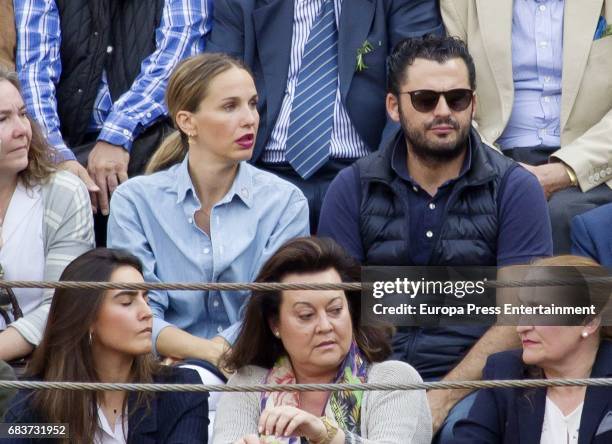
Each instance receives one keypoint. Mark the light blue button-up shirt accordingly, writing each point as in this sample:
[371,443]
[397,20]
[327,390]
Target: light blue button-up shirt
[537,64]
[153,218]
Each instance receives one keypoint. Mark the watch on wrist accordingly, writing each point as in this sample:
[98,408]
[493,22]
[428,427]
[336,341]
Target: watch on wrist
[331,430]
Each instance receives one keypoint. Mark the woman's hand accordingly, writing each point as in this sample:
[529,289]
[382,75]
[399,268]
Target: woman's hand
[291,421]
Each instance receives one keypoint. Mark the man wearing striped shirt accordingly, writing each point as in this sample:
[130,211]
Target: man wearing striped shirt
[320,72]
[94,73]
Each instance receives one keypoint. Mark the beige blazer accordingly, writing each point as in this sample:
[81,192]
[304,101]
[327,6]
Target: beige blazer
[586,98]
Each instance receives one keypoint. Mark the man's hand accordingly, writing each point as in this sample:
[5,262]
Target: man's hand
[439,404]
[552,177]
[79,170]
[108,165]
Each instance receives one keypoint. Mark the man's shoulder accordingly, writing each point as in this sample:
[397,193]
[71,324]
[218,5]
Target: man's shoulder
[519,182]
[494,156]
[377,164]
[513,177]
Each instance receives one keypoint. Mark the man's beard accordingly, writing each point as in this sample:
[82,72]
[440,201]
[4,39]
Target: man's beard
[436,153]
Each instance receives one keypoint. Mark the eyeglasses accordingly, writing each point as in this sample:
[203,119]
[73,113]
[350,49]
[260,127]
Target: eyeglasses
[426,100]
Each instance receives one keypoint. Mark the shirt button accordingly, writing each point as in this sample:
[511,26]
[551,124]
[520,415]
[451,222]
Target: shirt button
[542,8]
[415,188]
[609,170]
[190,220]
[432,206]
[126,132]
[547,79]
[546,99]
[148,115]
[95,33]
[219,329]
[109,49]
[544,44]
[206,250]
[429,234]
[215,303]
[596,176]
[80,91]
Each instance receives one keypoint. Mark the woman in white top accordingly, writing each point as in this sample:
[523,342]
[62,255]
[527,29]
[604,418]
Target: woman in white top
[45,221]
[578,349]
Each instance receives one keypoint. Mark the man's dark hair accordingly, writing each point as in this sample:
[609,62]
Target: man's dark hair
[439,49]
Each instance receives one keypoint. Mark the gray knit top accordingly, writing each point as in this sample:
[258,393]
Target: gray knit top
[68,233]
[386,417]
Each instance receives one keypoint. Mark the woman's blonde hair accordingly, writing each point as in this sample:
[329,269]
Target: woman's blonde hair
[40,154]
[187,87]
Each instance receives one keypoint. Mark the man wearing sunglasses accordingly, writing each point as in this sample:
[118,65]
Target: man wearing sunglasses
[543,70]
[437,195]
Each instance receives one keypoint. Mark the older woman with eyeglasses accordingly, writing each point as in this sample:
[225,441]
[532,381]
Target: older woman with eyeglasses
[45,222]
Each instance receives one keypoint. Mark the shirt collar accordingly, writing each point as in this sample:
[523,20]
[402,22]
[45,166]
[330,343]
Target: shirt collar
[183,180]
[241,187]
[400,166]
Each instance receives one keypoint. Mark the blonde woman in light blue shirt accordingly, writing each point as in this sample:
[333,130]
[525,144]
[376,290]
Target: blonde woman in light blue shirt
[210,216]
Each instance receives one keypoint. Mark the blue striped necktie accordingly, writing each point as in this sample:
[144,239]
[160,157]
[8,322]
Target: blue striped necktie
[312,112]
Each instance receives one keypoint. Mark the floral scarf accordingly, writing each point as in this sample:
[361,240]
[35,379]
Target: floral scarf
[342,407]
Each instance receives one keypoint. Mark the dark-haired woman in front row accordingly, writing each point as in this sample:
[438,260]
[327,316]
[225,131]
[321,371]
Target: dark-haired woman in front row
[105,336]
[303,336]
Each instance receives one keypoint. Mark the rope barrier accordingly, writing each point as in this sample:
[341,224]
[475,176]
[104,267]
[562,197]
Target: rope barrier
[368,387]
[179,285]
[269,286]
